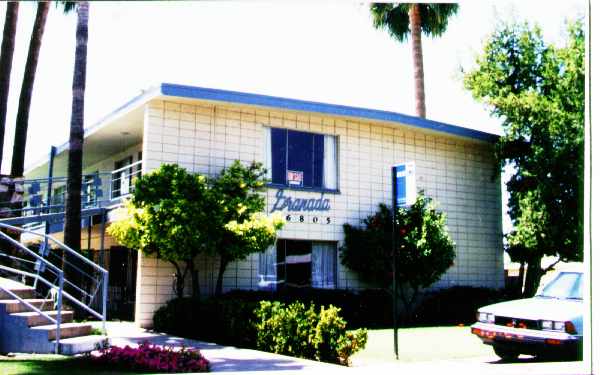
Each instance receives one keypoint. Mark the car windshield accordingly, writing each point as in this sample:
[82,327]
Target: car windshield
[565,285]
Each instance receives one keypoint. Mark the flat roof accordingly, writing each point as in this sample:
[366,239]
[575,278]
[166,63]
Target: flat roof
[192,92]
[166,90]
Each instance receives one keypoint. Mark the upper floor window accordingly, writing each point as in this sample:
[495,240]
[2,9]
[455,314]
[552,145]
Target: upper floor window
[301,159]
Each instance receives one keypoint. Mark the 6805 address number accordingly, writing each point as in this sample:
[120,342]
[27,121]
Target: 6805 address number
[308,219]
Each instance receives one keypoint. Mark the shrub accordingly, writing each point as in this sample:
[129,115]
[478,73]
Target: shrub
[287,330]
[333,342]
[370,308]
[230,320]
[148,357]
[299,331]
[175,317]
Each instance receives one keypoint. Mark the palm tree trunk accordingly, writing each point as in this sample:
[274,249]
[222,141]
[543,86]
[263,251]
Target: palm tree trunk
[417,50]
[35,43]
[6,57]
[74,169]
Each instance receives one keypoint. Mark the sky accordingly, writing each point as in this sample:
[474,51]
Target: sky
[322,51]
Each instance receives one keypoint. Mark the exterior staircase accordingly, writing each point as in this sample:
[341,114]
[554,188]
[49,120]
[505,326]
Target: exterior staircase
[26,331]
[36,314]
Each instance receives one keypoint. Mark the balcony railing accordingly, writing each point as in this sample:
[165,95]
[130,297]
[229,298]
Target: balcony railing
[48,195]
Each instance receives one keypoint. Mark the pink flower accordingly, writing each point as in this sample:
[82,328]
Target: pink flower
[149,357]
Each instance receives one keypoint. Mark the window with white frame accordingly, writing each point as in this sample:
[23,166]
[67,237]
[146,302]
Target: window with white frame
[299,159]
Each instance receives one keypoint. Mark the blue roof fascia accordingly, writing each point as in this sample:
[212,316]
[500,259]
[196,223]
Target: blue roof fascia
[193,92]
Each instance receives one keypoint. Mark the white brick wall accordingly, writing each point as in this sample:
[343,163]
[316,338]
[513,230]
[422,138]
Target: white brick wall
[457,172]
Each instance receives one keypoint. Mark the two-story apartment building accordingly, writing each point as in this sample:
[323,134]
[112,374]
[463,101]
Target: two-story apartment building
[328,165]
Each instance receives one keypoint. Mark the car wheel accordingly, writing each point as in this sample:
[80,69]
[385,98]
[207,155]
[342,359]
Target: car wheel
[506,354]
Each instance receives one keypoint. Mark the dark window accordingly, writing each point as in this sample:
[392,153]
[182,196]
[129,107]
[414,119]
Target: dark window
[279,157]
[298,159]
[318,161]
[294,262]
[301,264]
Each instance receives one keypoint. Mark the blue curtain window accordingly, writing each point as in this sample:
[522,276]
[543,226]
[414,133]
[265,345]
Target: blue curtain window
[278,155]
[302,159]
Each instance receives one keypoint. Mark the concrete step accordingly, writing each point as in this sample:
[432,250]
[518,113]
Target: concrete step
[23,292]
[11,284]
[66,330]
[82,344]
[35,319]
[15,306]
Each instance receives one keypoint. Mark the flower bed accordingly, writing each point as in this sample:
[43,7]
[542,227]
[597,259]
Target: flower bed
[148,357]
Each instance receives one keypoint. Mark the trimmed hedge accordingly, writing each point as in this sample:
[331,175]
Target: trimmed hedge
[286,329]
[227,321]
[368,308]
[456,305]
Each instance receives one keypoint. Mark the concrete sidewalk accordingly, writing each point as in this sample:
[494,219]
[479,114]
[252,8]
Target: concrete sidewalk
[221,358]
[227,359]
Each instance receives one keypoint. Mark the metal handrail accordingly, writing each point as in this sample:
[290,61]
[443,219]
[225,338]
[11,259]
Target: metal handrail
[28,274]
[86,308]
[62,245]
[58,319]
[15,296]
[16,258]
[107,178]
[22,247]
[52,286]
[60,273]
[129,166]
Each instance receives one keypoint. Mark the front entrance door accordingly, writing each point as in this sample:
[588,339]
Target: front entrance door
[121,283]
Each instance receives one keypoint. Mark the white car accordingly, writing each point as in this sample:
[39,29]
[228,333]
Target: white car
[549,324]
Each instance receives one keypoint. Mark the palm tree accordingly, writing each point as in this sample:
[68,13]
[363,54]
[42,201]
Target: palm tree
[6,57]
[400,20]
[18,157]
[73,205]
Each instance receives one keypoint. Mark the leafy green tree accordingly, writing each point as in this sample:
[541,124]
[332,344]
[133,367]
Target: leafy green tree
[170,216]
[537,90]
[177,215]
[404,19]
[424,248]
[242,227]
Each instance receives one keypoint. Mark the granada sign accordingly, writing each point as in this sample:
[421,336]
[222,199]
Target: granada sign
[284,202]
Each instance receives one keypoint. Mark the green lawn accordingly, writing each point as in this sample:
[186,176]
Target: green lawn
[49,364]
[421,344]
